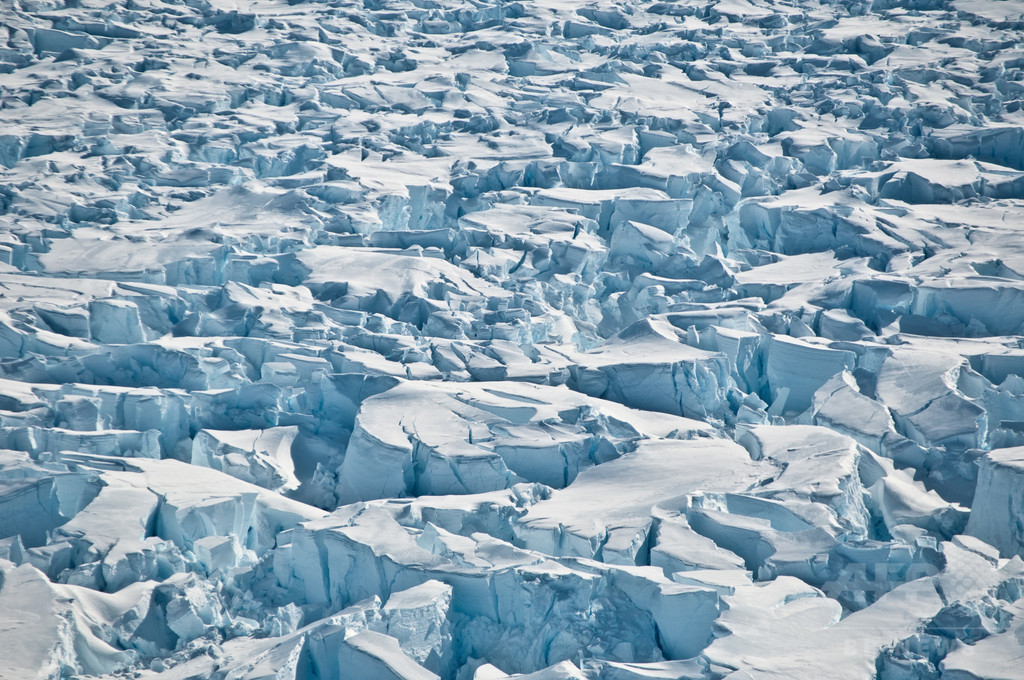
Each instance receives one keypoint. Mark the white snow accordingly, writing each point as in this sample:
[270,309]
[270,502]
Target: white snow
[580,339]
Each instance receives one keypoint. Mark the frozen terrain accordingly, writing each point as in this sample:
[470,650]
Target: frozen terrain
[476,339]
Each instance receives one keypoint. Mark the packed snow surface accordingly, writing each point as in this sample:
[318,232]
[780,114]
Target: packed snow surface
[479,339]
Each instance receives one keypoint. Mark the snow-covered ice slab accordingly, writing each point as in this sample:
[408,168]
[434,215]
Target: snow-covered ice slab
[650,366]
[607,511]
[421,438]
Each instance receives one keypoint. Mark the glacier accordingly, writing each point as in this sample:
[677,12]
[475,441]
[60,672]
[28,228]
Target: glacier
[489,339]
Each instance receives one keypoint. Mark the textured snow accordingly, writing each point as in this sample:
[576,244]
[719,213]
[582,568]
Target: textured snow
[570,340]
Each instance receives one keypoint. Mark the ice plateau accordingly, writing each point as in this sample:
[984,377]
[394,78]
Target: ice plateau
[491,339]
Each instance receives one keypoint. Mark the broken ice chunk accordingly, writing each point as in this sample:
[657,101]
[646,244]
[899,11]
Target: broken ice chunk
[640,246]
[840,406]
[817,465]
[563,670]
[115,321]
[995,657]
[35,500]
[260,457]
[779,629]
[606,512]
[418,619]
[217,553]
[921,389]
[52,629]
[421,438]
[796,368]
[650,366]
[366,551]
[677,547]
[771,537]
[365,655]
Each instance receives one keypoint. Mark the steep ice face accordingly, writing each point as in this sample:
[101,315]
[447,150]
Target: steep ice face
[601,340]
[262,457]
[495,587]
[418,619]
[649,366]
[995,515]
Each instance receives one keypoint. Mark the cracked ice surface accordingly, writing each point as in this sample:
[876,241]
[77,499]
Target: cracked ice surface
[584,339]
